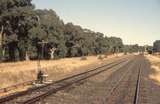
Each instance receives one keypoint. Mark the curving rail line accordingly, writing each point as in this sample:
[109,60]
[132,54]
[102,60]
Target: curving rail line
[51,88]
[13,87]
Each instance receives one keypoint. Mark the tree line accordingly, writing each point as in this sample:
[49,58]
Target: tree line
[156,46]
[29,33]
[133,48]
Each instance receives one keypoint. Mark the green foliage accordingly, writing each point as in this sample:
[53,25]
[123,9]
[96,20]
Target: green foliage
[156,46]
[26,28]
[133,48]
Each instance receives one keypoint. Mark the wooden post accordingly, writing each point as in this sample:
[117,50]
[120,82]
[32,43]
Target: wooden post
[41,56]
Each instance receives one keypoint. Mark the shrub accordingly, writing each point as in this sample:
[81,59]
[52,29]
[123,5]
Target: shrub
[83,58]
[100,57]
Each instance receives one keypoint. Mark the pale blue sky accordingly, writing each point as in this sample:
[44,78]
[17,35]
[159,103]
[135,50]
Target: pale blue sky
[135,21]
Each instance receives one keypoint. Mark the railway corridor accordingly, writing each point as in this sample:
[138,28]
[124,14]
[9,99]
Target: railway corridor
[125,81]
[116,87]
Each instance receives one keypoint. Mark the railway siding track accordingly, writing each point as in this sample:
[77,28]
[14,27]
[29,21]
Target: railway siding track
[16,86]
[62,85]
[123,86]
[56,87]
[11,88]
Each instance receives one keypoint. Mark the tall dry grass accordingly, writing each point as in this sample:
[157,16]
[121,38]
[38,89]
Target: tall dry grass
[155,68]
[12,73]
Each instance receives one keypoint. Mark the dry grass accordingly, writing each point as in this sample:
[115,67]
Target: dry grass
[155,66]
[12,73]
[156,76]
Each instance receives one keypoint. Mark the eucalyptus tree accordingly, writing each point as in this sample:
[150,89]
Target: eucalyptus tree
[16,18]
[115,44]
[51,29]
[23,28]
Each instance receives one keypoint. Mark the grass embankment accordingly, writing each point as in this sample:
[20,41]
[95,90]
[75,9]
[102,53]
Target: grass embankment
[12,73]
[155,67]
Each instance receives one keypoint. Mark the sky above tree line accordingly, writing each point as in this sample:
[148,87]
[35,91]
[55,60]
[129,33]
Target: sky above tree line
[135,21]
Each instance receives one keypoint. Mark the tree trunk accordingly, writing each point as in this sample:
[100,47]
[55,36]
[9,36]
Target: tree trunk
[11,53]
[1,36]
[52,53]
[27,56]
[1,43]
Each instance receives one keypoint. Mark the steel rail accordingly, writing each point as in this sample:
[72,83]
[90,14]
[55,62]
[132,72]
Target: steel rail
[136,97]
[16,95]
[13,87]
[54,90]
[118,82]
[138,81]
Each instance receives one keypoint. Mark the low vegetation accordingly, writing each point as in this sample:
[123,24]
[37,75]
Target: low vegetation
[17,72]
[83,58]
[100,57]
[11,73]
[155,68]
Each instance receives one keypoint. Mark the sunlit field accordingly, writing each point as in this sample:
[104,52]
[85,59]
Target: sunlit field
[12,73]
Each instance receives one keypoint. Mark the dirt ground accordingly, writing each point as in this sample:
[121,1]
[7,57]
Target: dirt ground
[12,73]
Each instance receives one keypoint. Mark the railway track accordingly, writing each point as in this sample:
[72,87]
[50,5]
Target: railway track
[16,86]
[127,85]
[127,88]
[136,96]
[35,94]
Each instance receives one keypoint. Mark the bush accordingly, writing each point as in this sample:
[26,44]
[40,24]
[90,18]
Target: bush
[125,53]
[106,56]
[83,58]
[100,57]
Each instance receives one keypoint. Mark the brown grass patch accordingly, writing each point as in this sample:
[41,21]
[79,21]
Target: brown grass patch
[12,73]
[155,67]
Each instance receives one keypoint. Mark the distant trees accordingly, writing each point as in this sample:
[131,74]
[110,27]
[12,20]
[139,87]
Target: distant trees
[156,46]
[133,48]
[149,49]
[115,44]
[26,33]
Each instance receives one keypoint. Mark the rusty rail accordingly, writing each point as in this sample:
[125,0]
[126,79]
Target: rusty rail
[54,90]
[136,97]
[13,87]
[19,94]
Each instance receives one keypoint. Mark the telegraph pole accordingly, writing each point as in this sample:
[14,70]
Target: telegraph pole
[41,56]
